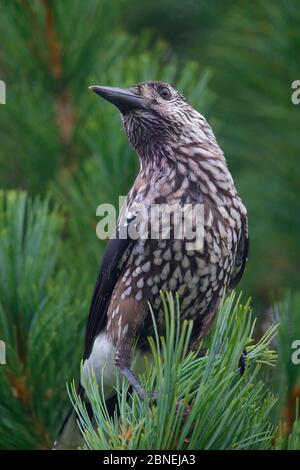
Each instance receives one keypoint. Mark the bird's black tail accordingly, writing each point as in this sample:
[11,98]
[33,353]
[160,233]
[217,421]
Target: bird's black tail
[69,436]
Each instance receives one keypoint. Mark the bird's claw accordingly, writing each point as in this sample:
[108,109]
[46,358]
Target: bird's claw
[142,393]
[152,396]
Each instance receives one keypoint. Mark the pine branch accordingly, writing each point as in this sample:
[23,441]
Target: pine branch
[41,312]
[228,411]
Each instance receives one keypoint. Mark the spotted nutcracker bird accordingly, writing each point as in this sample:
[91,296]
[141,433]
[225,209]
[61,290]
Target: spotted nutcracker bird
[180,163]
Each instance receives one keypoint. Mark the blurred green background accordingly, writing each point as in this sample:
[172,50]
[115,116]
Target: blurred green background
[64,149]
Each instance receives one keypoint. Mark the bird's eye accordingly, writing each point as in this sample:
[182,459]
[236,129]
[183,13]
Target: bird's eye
[165,93]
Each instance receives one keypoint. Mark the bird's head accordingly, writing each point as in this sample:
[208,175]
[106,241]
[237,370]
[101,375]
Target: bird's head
[155,115]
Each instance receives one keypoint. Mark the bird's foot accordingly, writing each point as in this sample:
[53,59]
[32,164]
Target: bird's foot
[152,396]
[142,393]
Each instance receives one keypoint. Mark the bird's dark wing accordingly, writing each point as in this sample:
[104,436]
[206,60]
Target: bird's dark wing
[240,257]
[113,260]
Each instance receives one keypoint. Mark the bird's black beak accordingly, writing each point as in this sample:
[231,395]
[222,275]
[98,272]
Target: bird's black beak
[124,99]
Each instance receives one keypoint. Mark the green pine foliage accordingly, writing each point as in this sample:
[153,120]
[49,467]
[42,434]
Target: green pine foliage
[43,310]
[235,61]
[41,313]
[57,45]
[257,51]
[53,129]
[228,410]
[289,441]
[287,314]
